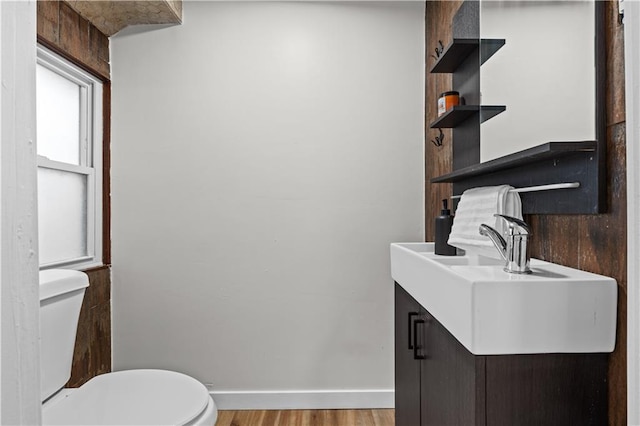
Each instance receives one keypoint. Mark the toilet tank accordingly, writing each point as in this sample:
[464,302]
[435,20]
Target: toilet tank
[61,294]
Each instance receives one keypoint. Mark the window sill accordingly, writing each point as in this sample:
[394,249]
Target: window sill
[77,266]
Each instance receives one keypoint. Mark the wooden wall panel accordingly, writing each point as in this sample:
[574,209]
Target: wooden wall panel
[47,21]
[438,159]
[64,31]
[595,243]
[92,353]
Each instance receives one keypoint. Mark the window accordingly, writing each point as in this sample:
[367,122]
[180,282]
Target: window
[69,141]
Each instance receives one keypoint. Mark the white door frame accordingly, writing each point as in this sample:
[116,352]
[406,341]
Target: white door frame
[19,298]
[632,87]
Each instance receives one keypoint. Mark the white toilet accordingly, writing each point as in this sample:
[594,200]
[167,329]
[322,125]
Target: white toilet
[133,397]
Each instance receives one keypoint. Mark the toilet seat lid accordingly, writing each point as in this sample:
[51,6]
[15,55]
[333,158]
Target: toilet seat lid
[132,397]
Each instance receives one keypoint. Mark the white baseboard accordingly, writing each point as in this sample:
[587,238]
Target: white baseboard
[304,400]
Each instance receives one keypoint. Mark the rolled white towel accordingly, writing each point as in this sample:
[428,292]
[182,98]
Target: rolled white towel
[478,206]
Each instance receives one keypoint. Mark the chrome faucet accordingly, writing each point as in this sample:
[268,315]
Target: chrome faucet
[515,249]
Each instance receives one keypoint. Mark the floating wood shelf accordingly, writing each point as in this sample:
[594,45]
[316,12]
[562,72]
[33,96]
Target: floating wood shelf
[488,47]
[454,54]
[458,50]
[542,152]
[460,113]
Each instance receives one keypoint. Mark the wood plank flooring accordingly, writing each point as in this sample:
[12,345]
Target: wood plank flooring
[306,418]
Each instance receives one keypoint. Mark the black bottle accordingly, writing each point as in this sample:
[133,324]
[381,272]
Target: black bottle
[443,229]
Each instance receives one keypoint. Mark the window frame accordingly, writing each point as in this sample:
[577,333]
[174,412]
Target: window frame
[91,155]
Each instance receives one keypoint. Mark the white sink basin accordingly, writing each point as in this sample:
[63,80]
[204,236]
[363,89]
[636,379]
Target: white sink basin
[491,312]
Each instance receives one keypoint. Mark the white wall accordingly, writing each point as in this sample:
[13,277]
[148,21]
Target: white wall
[19,307]
[264,155]
[632,89]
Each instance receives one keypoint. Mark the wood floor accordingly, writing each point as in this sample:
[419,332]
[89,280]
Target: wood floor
[306,418]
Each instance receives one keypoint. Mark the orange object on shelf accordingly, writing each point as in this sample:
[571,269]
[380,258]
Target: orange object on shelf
[447,100]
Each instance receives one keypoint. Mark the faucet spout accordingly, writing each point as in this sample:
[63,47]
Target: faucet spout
[496,239]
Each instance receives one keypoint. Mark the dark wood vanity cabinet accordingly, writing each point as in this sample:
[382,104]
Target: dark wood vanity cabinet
[435,374]
[439,382]
[407,367]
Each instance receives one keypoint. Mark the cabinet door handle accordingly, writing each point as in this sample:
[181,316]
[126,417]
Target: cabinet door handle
[410,327]
[417,346]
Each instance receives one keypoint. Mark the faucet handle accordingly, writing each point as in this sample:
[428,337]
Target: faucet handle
[524,228]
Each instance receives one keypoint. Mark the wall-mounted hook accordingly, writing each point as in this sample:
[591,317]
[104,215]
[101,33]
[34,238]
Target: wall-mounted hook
[439,139]
[438,50]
